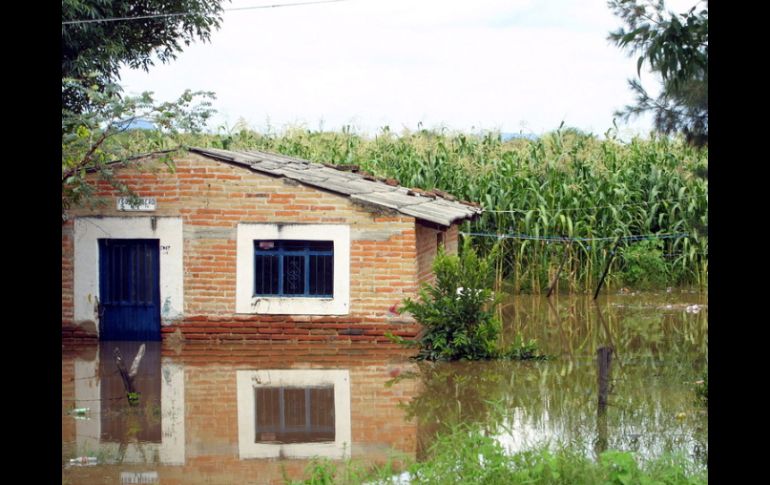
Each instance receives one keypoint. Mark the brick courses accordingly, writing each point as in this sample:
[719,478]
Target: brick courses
[390,254]
[379,428]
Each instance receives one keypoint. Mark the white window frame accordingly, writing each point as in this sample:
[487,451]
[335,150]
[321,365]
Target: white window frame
[246,302]
[248,380]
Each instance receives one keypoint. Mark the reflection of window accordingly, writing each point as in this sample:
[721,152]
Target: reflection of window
[297,413]
[294,414]
[294,268]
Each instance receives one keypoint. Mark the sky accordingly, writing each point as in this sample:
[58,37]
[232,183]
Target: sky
[517,66]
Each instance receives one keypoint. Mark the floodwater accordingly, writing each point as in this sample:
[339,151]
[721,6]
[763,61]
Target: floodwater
[257,413]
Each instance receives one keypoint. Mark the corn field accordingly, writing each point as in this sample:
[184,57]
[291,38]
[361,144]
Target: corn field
[565,185]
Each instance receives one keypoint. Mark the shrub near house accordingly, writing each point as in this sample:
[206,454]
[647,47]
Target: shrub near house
[458,313]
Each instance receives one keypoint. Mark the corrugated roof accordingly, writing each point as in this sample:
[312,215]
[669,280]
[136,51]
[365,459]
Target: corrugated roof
[436,206]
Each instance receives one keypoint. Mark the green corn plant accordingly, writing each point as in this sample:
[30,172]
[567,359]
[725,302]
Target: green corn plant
[564,183]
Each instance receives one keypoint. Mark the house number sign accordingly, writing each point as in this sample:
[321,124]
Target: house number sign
[145,204]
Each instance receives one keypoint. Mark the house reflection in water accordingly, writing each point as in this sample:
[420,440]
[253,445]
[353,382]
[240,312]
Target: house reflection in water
[235,414]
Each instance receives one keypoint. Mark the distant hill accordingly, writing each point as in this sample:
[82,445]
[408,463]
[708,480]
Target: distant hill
[512,136]
[137,124]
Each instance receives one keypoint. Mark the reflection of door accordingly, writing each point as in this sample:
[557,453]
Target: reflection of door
[129,289]
[121,423]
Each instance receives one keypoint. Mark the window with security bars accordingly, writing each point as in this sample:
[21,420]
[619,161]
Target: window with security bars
[294,414]
[294,268]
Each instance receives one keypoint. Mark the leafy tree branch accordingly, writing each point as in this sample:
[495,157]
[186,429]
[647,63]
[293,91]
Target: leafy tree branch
[675,46]
[96,139]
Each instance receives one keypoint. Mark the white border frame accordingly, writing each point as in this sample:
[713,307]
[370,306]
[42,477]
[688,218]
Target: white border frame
[248,380]
[87,232]
[246,302]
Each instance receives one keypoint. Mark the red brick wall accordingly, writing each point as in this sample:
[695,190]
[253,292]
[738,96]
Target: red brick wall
[211,421]
[378,424]
[427,246]
[213,197]
[452,239]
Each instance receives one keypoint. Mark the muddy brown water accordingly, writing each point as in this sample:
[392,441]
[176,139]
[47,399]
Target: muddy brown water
[211,413]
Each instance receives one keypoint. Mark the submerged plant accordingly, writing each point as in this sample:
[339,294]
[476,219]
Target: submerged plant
[323,471]
[458,312]
[133,398]
[644,265]
[702,389]
[521,350]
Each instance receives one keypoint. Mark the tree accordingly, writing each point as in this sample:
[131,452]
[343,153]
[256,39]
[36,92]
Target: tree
[101,139]
[676,47]
[93,52]
[98,37]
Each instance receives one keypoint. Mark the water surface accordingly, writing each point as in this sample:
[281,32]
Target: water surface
[256,413]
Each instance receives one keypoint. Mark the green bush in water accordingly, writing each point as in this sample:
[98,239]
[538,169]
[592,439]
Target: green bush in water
[644,266]
[458,311]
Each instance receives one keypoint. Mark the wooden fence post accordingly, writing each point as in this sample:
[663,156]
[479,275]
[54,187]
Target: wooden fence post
[603,363]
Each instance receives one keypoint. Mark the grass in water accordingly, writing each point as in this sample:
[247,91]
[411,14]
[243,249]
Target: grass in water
[466,455]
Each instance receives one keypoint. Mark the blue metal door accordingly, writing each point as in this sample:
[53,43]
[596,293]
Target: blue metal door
[129,289]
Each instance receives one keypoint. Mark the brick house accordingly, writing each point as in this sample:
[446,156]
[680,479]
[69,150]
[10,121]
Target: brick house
[250,245]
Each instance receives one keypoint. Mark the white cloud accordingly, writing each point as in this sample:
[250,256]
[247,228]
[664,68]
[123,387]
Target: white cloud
[513,65]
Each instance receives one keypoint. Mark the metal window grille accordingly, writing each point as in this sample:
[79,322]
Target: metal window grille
[294,268]
[130,273]
[294,414]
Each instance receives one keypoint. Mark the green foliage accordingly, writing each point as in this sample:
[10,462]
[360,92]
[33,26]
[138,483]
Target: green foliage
[133,398]
[620,467]
[94,140]
[322,471]
[702,389]
[96,118]
[458,311]
[93,52]
[465,455]
[521,350]
[468,456]
[644,265]
[564,183]
[676,47]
